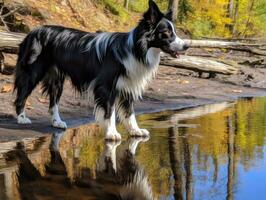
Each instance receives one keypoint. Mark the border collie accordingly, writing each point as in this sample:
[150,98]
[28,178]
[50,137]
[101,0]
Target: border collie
[115,67]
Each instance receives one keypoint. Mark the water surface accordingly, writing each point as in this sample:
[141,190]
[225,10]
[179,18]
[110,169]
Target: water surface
[211,152]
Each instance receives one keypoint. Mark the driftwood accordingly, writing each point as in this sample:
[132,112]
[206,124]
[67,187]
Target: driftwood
[255,48]
[199,64]
[9,42]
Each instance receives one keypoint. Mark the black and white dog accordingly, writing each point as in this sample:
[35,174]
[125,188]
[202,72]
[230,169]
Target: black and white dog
[115,67]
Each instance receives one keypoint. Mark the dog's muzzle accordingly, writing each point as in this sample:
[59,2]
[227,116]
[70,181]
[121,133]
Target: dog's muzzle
[176,47]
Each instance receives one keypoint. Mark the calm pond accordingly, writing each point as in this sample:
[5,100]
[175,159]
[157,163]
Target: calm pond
[215,151]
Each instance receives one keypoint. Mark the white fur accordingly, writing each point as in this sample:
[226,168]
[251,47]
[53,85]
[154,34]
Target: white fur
[132,127]
[178,41]
[110,152]
[134,142]
[101,42]
[22,119]
[36,48]
[130,39]
[138,74]
[64,37]
[109,125]
[56,120]
[140,184]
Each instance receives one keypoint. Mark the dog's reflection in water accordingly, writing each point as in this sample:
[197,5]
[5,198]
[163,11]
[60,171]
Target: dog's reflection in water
[121,168]
[118,175]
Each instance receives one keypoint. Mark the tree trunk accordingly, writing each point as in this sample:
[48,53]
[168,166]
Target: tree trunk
[230,12]
[126,3]
[235,18]
[249,17]
[173,4]
[231,9]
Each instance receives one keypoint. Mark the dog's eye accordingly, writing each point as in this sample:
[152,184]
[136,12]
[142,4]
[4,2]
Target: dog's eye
[166,34]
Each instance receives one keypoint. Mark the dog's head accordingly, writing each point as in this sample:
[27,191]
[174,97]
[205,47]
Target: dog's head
[162,33]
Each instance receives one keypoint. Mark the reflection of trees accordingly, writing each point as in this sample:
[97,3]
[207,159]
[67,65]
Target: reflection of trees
[231,158]
[233,135]
[176,161]
[188,168]
[180,158]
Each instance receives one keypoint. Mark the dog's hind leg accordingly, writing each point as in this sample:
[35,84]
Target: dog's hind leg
[23,91]
[26,79]
[53,85]
[127,116]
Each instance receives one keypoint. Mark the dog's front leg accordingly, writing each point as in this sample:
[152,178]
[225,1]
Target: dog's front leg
[128,118]
[107,120]
[131,125]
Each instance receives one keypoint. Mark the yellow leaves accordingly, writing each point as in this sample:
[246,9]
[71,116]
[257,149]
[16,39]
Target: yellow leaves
[210,18]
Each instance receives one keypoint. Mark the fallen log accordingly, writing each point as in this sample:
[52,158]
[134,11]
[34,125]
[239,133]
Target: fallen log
[255,48]
[199,64]
[219,44]
[9,42]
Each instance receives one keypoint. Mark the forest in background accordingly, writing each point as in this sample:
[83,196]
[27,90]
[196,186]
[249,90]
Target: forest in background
[196,18]
[207,18]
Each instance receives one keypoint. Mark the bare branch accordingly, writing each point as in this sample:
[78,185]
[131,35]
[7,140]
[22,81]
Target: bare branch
[4,23]
[10,13]
[1,10]
[3,16]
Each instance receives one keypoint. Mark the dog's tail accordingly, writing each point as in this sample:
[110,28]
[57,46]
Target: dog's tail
[29,50]
[27,72]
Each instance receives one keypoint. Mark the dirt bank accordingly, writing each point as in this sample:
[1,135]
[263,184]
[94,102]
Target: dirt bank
[171,89]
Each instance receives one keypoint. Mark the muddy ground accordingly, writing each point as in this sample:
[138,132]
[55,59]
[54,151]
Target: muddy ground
[171,89]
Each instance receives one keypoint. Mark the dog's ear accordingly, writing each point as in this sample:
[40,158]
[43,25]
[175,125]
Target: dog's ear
[153,14]
[169,15]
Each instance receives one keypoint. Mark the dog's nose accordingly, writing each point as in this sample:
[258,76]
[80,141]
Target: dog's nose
[185,47]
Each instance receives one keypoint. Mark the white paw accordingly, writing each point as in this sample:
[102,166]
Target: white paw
[59,124]
[114,136]
[22,119]
[139,132]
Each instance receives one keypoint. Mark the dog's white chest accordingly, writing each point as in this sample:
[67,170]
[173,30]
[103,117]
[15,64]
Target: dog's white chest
[138,73]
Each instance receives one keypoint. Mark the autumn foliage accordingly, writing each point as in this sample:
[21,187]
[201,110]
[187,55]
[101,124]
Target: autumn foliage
[216,18]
